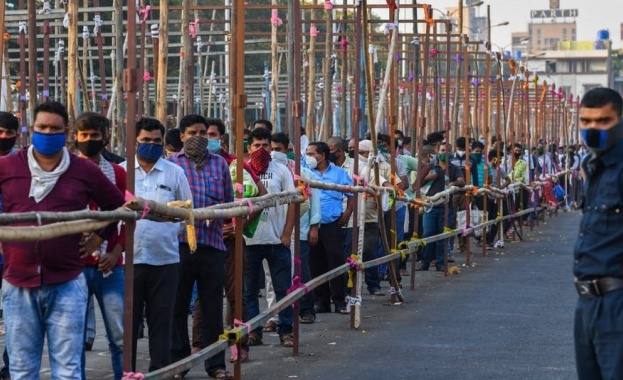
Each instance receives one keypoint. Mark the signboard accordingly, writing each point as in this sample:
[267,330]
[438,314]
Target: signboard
[554,4]
[554,13]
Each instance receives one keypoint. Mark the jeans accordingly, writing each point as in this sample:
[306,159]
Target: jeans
[433,225]
[306,304]
[90,326]
[280,263]
[206,268]
[155,287]
[109,292]
[598,336]
[56,311]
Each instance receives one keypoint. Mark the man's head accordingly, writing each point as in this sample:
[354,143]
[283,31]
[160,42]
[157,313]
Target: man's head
[365,147]
[383,142]
[279,142]
[8,132]
[399,135]
[517,150]
[435,140]
[259,139]
[50,128]
[193,125]
[149,139]
[320,151]
[337,151]
[428,153]
[477,149]
[600,111]
[172,142]
[351,148]
[262,123]
[91,133]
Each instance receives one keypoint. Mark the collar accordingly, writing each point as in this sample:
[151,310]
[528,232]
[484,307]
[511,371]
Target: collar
[612,155]
[347,162]
[159,165]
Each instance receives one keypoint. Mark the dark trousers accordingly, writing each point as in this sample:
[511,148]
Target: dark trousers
[370,250]
[155,287]
[306,305]
[599,336]
[4,372]
[206,266]
[329,254]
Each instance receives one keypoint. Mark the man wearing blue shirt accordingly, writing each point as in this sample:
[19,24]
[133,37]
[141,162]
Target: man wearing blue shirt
[329,252]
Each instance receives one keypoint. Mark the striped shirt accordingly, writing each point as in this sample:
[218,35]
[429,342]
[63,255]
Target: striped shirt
[210,186]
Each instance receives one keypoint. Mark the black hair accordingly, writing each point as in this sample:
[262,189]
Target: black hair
[219,124]
[149,124]
[246,132]
[602,96]
[191,119]
[9,121]
[460,142]
[339,142]
[267,123]
[493,153]
[518,145]
[259,134]
[280,138]
[383,138]
[55,108]
[434,138]
[173,138]
[478,144]
[399,132]
[92,120]
[321,147]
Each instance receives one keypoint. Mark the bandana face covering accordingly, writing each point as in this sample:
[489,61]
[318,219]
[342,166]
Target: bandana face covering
[195,149]
[260,159]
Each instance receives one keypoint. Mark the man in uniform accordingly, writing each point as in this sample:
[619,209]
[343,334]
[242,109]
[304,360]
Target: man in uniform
[598,264]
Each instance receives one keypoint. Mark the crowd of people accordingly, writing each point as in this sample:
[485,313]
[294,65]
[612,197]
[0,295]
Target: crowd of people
[47,284]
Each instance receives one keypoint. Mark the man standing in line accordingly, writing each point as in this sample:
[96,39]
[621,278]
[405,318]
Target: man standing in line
[103,270]
[598,253]
[328,254]
[156,246]
[210,184]
[44,289]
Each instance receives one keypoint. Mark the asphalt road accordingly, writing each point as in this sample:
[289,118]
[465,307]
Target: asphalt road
[510,316]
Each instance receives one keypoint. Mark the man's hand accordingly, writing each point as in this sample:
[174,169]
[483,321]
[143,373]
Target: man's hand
[312,236]
[89,243]
[343,221]
[286,240]
[228,230]
[109,260]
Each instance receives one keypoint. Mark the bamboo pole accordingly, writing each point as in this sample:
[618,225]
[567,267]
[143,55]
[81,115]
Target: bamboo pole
[274,78]
[466,134]
[327,104]
[189,69]
[3,89]
[311,82]
[118,91]
[72,60]
[32,59]
[163,55]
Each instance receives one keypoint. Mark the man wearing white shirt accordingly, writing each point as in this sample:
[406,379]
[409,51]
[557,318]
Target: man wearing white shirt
[156,246]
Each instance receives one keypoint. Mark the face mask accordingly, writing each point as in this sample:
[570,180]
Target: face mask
[245,146]
[517,155]
[332,157]
[477,157]
[214,145]
[149,152]
[7,144]
[311,162]
[382,149]
[90,148]
[291,156]
[260,159]
[442,157]
[279,157]
[540,151]
[351,153]
[48,144]
[601,140]
[460,153]
[483,141]
[433,159]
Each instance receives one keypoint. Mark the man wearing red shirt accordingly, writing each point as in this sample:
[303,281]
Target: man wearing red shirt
[44,289]
[104,268]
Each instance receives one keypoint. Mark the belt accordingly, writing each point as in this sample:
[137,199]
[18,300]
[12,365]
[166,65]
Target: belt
[598,287]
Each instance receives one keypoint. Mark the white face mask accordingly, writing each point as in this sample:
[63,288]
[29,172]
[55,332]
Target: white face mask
[279,157]
[460,153]
[311,162]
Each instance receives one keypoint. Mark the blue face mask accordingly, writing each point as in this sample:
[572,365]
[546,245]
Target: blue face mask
[477,157]
[600,140]
[214,145]
[149,152]
[48,144]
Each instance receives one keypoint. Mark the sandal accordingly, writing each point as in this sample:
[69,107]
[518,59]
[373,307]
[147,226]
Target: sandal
[270,326]
[221,374]
[308,318]
[243,356]
[254,340]
[287,340]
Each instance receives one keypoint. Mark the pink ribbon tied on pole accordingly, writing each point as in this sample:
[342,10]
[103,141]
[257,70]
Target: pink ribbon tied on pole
[144,12]
[192,28]
[274,19]
[466,230]
[146,76]
[328,5]
[234,347]
[354,264]
[132,376]
[313,31]
[344,44]
[297,284]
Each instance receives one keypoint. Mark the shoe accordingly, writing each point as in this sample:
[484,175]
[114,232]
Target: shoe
[322,309]
[341,309]
[450,259]
[308,318]
[377,292]
[88,346]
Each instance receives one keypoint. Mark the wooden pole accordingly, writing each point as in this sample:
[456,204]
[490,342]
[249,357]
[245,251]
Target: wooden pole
[466,134]
[120,103]
[3,89]
[274,78]
[310,119]
[327,103]
[32,59]
[162,62]
[72,60]
[189,63]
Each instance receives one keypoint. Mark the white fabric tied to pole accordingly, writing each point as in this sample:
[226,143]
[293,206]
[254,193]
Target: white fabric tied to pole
[60,49]
[22,28]
[85,32]
[199,44]
[155,32]
[98,24]
[390,26]
[352,301]
[47,8]
[372,50]
[66,21]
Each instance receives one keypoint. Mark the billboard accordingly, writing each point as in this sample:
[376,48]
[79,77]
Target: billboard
[554,13]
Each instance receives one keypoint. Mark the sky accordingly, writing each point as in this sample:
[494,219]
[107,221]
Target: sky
[593,15]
